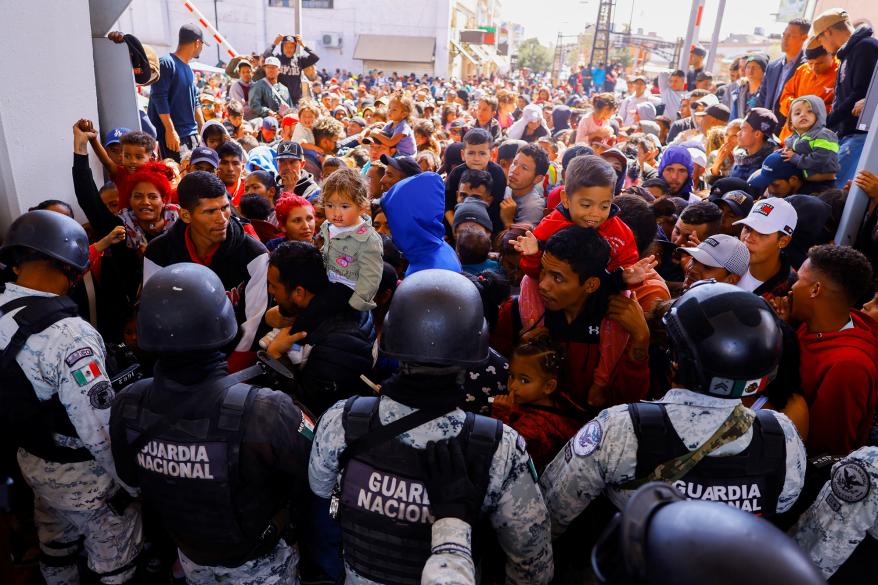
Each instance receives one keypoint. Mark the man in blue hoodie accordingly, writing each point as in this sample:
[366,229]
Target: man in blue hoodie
[857,53]
[414,208]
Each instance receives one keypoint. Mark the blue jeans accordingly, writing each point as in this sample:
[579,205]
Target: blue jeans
[849,150]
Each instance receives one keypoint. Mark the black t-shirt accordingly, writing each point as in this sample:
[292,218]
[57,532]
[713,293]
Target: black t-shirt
[498,191]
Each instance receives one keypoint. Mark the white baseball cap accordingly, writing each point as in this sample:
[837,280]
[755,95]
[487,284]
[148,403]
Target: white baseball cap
[722,251]
[272,61]
[771,215]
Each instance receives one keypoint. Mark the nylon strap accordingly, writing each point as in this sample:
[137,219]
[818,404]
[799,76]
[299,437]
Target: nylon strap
[738,422]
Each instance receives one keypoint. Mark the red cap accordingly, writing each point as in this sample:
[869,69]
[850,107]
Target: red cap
[289,120]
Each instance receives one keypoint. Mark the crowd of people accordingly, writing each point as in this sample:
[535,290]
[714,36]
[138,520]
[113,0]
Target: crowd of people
[462,294]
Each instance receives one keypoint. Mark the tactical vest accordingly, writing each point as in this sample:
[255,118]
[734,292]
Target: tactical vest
[37,426]
[188,468]
[384,510]
[750,480]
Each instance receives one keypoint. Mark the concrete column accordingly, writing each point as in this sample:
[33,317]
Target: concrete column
[50,83]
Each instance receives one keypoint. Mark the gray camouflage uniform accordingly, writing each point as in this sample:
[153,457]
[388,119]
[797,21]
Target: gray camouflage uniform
[67,358]
[275,568]
[513,502]
[451,562]
[846,510]
[603,454]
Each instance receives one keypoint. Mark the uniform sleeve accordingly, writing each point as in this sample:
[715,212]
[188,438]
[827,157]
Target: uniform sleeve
[328,445]
[518,513]
[371,260]
[85,391]
[603,453]
[451,562]
[845,510]
[797,459]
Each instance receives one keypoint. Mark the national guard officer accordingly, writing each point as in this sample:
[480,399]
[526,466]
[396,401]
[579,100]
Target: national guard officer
[660,539]
[220,461]
[725,344]
[844,515]
[367,455]
[55,402]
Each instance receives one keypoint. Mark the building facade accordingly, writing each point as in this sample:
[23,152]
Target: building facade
[407,36]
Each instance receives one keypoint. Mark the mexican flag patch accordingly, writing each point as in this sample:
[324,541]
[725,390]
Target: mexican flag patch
[306,427]
[87,373]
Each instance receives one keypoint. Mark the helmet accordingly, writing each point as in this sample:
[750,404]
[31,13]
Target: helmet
[50,233]
[436,317]
[184,307]
[661,538]
[726,341]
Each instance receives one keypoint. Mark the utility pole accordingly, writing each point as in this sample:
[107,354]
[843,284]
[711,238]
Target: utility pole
[714,41]
[691,33]
[600,47]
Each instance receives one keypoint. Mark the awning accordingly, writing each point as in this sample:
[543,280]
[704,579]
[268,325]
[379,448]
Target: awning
[464,52]
[395,48]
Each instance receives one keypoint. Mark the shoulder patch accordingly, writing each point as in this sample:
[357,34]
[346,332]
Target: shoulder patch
[850,482]
[101,395]
[521,445]
[588,439]
[306,427]
[79,354]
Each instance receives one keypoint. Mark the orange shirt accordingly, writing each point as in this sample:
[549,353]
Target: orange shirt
[805,82]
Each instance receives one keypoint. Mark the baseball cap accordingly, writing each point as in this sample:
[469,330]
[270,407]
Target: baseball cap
[828,18]
[722,186]
[289,120]
[359,120]
[719,111]
[774,167]
[707,101]
[722,251]
[813,48]
[698,50]
[771,215]
[639,78]
[290,149]
[190,33]
[269,122]
[763,120]
[404,164]
[740,202]
[271,61]
[114,135]
[474,210]
[204,154]
[244,63]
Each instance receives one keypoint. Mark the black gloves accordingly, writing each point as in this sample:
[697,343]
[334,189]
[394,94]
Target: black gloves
[452,493]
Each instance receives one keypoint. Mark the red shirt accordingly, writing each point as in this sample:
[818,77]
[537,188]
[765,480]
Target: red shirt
[839,373]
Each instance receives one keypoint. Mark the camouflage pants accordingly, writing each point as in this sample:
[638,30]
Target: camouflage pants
[111,542]
[276,568]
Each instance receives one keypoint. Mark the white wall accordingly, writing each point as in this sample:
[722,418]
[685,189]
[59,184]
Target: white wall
[47,53]
[249,25]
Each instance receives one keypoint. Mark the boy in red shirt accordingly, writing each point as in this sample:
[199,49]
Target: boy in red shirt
[839,348]
[586,201]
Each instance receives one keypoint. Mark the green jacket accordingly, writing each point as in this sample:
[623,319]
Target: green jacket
[356,259]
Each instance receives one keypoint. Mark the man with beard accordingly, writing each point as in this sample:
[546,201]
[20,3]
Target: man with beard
[290,167]
[172,103]
[337,349]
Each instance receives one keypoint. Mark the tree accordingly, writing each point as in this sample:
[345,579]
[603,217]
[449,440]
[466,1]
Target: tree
[534,56]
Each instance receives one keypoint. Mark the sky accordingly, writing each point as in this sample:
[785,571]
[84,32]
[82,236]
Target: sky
[668,18]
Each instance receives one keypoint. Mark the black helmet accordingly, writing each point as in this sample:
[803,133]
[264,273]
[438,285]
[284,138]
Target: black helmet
[50,233]
[436,317]
[184,307]
[726,341]
[660,538]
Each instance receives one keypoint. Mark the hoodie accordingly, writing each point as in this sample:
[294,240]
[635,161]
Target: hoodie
[623,248]
[617,155]
[518,130]
[678,154]
[816,149]
[840,382]
[858,57]
[414,209]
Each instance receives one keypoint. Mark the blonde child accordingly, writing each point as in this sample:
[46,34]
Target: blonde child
[398,132]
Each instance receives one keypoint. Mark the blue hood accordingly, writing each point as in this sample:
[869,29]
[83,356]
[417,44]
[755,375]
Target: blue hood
[414,208]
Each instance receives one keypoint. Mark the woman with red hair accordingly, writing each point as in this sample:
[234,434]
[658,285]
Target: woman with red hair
[295,216]
[147,204]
